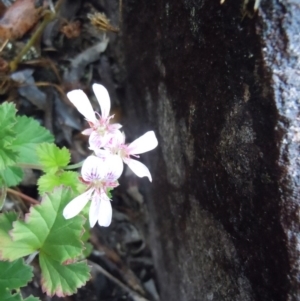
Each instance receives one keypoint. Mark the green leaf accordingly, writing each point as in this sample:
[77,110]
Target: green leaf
[29,135]
[7,296]
[8,120]
[14,274]
[88,248]
[7,156]
[49,181]
[6,243]
[52,157]
[45,229]
[60,279]
[58,240]
[12,175]
[7,134]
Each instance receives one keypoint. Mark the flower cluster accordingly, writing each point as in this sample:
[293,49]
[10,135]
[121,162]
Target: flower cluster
[101,171]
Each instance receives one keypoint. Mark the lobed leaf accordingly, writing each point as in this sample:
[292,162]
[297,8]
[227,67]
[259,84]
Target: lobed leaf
[88,247]
[7,156]
[8,119]
[46,229]
[52,157]
[7,135]
[29,135]
[7,246]
[49,181]
[60,279]
[12,175]
[7,296]
[14,275]
[58,241]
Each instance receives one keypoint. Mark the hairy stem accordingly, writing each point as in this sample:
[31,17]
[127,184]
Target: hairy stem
[23,196]
[31,166]
[74,166]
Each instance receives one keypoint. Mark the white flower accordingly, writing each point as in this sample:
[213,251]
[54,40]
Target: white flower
[100,176]
[117,146]
[100,130]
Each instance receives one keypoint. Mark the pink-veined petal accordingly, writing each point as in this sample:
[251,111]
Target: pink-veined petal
[105,212]
[114,169]
[82,104]
[95,141]
[117,138]
[77,204]
[140,169]
[98,141]
[103,99]
[114,126]
[87,131]
[94,210]
[93,168]
[143,144]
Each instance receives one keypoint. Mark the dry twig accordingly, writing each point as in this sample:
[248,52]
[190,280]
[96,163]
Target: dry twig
[135,296]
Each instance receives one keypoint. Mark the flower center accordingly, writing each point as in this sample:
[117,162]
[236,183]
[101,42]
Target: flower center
[101,130]
[123,152]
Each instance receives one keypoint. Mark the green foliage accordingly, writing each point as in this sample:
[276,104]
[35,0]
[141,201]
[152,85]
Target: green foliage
[7,135]
[88,247]
[52,157]
[53,160]
[14,275]
[6,221]
[62,279]
[49,181]
[19,137]
[7,296]
[7,116]
[60,243]
[44,229]
[57,240]
[29,135]
[12,175]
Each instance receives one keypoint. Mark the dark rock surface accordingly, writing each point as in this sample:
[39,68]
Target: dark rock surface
[221,88]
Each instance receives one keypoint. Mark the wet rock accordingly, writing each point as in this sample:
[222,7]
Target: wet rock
[220,86]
